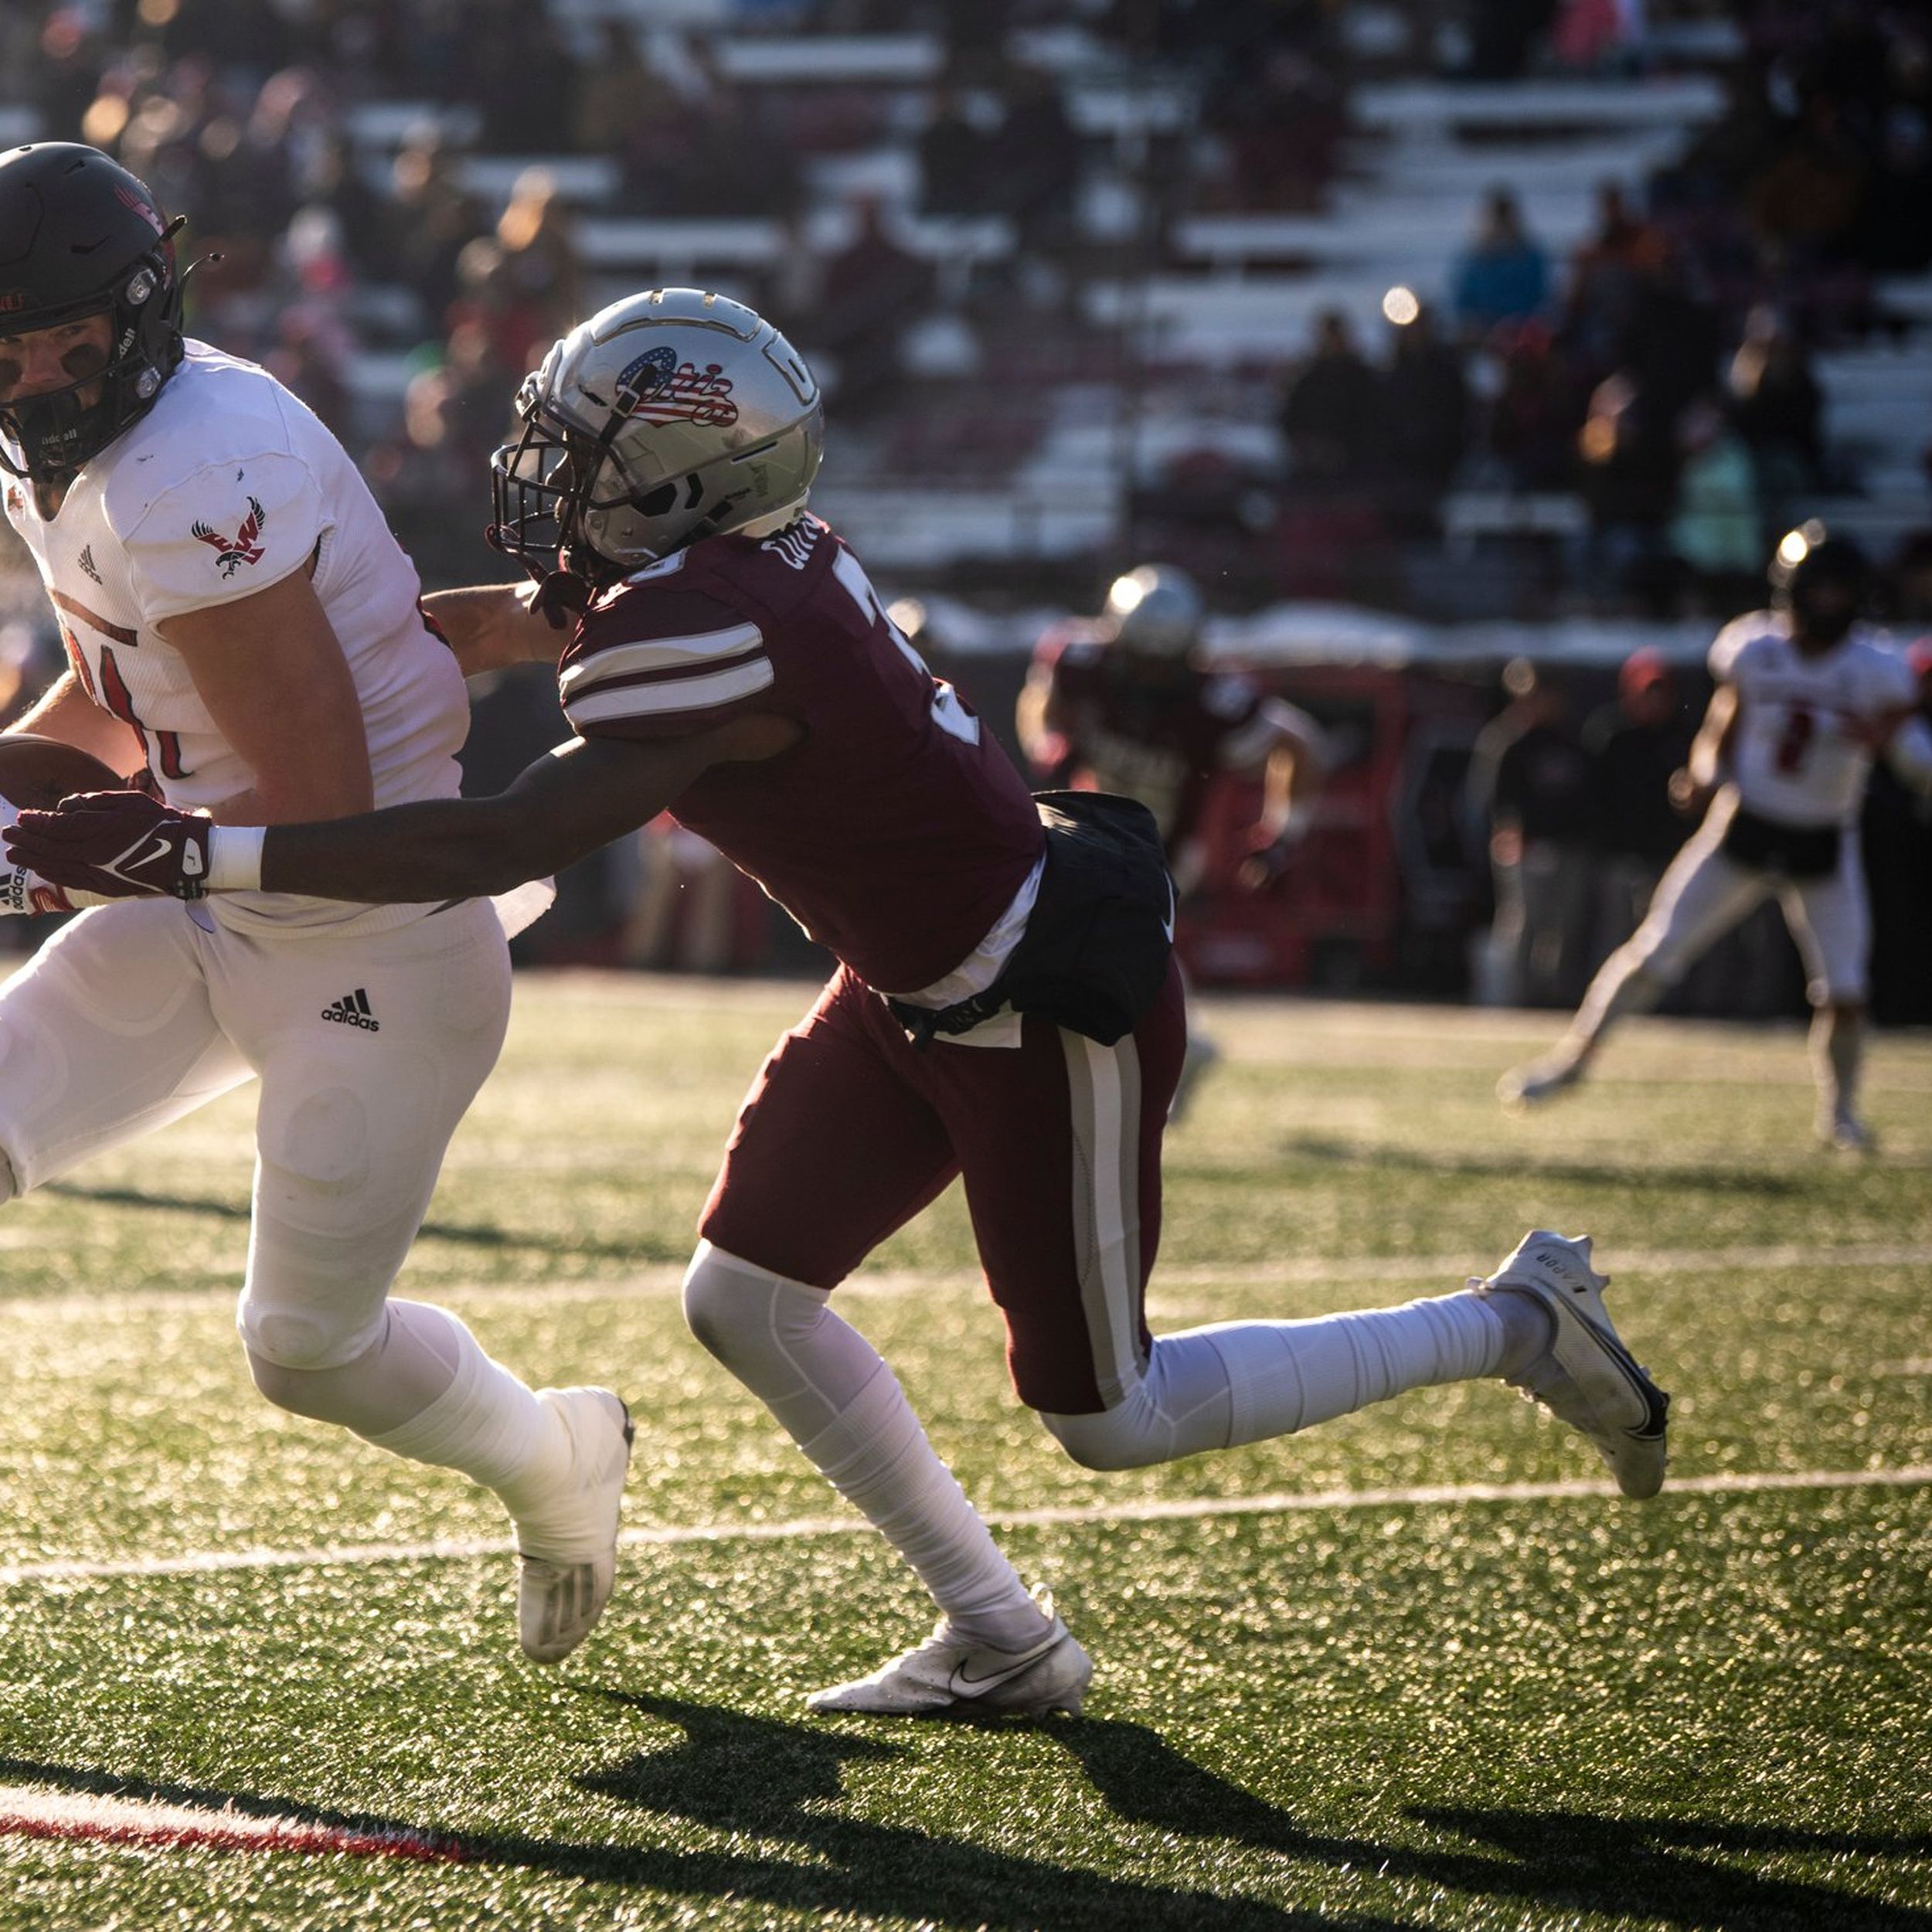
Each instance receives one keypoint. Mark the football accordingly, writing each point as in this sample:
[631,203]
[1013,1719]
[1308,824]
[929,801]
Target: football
[36,772]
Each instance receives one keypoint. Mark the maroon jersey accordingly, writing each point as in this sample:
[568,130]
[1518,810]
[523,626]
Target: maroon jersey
[1159,743]
[898,831]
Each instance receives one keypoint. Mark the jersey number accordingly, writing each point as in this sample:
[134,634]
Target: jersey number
[949,713]
[161,749]
[1795,740]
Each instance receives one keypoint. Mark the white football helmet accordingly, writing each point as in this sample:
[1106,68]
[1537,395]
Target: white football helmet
[1155,611]
[670,416]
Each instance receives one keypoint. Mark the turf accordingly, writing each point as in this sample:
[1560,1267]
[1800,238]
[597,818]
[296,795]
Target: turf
[1520,1706]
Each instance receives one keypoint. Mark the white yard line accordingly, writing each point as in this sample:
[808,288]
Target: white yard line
[1156,1509]
[1446,1269]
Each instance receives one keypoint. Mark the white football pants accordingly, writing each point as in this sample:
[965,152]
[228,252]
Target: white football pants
[369,1049]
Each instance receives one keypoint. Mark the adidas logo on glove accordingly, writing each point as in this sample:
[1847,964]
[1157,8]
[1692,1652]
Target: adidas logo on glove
[352,1009]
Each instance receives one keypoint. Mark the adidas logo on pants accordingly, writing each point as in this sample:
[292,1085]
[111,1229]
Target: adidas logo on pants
[352,1009]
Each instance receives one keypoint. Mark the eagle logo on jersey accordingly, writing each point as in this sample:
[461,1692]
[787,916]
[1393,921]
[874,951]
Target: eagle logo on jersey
[657,388]
[231,551]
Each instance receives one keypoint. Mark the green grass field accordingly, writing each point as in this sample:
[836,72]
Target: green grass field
[1414,1669]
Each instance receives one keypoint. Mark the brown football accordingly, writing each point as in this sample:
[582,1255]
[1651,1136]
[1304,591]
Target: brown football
[37,772]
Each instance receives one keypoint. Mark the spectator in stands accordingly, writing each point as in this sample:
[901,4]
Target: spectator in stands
[1634,743]
[1036,160]
[1778,405]
[1282,118]
[1627,476]
[1423,426]
[874,290]
[954,159]
[63,75]
[1607,272]
[1717,530]
[1533,419]
[515,68]
[1530,785]
[541,266]
[617,90]
[432,219]
[1503,275]
[1331,407]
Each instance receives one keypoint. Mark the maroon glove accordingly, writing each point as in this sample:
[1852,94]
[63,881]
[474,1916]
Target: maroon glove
[119,844]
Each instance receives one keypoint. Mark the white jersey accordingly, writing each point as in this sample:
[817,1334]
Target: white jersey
[1794,757]
[228,484]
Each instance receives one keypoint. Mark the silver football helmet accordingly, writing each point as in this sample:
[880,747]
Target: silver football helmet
[670,416]
[1155,611]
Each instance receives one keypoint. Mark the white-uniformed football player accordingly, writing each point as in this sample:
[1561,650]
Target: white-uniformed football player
[1807,697]
[241,626]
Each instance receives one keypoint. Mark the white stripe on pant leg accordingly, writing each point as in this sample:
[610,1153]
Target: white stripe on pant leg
[1104,1090]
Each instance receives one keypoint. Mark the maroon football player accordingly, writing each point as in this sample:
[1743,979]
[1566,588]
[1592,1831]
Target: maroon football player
[1005,1007]
[1123,704]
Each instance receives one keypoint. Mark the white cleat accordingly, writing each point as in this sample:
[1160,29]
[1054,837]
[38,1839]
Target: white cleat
[1586,1377]
[569,1549]
[1539,1081]
[955,1676]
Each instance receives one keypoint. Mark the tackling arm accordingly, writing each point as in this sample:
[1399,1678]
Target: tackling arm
[565,806]
[492,626]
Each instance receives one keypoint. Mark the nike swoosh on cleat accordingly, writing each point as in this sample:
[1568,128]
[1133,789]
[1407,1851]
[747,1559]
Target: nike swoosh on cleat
[968,1686]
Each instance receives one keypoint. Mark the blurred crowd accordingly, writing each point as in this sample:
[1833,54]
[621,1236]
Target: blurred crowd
[1659,378]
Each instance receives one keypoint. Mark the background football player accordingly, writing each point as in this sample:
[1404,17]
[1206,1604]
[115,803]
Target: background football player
[240,626]
[1005,1008]
[1807,697]
[1124,705]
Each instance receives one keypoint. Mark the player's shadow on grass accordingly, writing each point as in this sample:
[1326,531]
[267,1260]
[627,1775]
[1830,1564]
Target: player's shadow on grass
[763,1776]
[1513,1162]
[1559,1862]
[757,1777]
[472,1234]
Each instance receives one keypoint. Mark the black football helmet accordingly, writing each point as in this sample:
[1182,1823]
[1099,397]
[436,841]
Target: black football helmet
[79,236]
[1824,581]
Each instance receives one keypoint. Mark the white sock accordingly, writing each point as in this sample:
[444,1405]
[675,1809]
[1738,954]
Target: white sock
[832,1392]
[1241,1382]
[1837,1052]
[485,1422]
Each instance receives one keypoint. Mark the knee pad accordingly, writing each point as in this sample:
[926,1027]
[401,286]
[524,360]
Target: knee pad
[742,1313]
[780,1338]
[302,1336]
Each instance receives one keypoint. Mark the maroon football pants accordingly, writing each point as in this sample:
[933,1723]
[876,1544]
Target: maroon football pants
[849,1131]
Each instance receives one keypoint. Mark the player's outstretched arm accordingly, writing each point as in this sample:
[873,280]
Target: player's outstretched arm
[563,807]
[492,626]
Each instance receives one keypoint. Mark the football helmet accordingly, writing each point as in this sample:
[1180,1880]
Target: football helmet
[668,417]
[1154,611]
[1823,580]
[78,236]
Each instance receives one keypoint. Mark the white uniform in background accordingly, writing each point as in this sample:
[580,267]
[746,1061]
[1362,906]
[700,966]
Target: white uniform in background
[1787,822]
[1807,728]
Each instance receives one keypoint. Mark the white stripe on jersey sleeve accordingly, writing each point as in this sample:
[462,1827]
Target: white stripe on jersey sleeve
[674,694]
[658,654]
